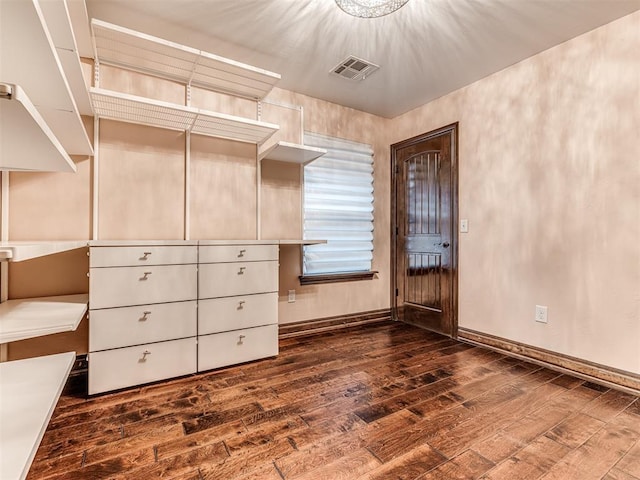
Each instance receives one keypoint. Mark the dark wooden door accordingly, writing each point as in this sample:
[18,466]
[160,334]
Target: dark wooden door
[424,237]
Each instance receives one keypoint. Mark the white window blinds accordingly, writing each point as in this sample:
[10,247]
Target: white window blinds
[338,207]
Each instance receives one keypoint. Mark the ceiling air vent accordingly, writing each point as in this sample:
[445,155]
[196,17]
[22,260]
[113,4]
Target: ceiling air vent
[353,68]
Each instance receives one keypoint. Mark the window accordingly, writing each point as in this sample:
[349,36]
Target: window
[338,207]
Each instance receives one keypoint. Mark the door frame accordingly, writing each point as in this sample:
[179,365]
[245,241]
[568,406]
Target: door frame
[454,130]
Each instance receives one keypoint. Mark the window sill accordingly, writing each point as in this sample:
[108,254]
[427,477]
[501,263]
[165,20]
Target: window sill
[336,277]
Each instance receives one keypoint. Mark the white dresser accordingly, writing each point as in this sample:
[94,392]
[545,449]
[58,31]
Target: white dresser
[142,313]
[237,303]
[165,309]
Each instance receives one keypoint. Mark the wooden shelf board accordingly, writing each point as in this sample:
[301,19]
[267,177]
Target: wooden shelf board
[35,317]
[144,53]
[134,109]
[29,392]
[292,153]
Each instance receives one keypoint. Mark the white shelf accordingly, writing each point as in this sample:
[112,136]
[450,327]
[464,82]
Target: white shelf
[30,59]
[130,108]
[292,153]
[301,242]
[36,317]
[144,53]
[20,251]
[17,251]
[28,144]
[58,19]
[29,392]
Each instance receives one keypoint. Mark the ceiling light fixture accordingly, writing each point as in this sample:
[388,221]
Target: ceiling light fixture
[370,8]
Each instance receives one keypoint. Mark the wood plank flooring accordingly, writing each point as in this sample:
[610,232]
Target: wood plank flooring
[387,401]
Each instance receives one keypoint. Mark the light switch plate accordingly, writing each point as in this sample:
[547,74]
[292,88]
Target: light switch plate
[464,225]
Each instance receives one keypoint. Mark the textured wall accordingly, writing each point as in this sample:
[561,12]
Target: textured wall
[550,183]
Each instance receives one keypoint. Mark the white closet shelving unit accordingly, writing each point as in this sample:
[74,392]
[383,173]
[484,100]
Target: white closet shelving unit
[125,48]
[30,388]
[122,47]
[43,95]
[29,393]
[30,60]
[133,109]
[139,52]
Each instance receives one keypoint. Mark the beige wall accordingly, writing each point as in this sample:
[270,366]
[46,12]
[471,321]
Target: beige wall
[550,183]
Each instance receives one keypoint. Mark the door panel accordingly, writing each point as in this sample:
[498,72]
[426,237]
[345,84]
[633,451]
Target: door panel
[424,243]
[422,281]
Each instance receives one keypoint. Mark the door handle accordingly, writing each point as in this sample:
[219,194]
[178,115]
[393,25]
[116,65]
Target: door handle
[445,245]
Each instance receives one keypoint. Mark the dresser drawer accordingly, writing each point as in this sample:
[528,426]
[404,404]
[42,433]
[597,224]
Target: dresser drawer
[237,253]
[238,346]
[126,326]
[231,279]
[135,256]
[233,313]
[125,286]
[124,367]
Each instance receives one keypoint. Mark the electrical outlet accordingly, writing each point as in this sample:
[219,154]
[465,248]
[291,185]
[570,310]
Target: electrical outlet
[292,296]
[541,313]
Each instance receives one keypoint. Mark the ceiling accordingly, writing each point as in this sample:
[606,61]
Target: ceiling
[425,50]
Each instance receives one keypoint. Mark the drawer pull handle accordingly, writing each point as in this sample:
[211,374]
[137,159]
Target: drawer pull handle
[144,316]
[144,355]
[241,254]
[241,304]
[145,255]
[241,271]
[241,339]
[146,276]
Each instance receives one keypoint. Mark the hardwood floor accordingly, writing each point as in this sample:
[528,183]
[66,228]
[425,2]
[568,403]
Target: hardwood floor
[387,401]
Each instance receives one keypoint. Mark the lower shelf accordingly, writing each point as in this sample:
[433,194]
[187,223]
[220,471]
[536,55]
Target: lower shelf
[29,392]
[35,317]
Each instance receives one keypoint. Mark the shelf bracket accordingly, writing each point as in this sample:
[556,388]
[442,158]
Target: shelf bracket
[96,73]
